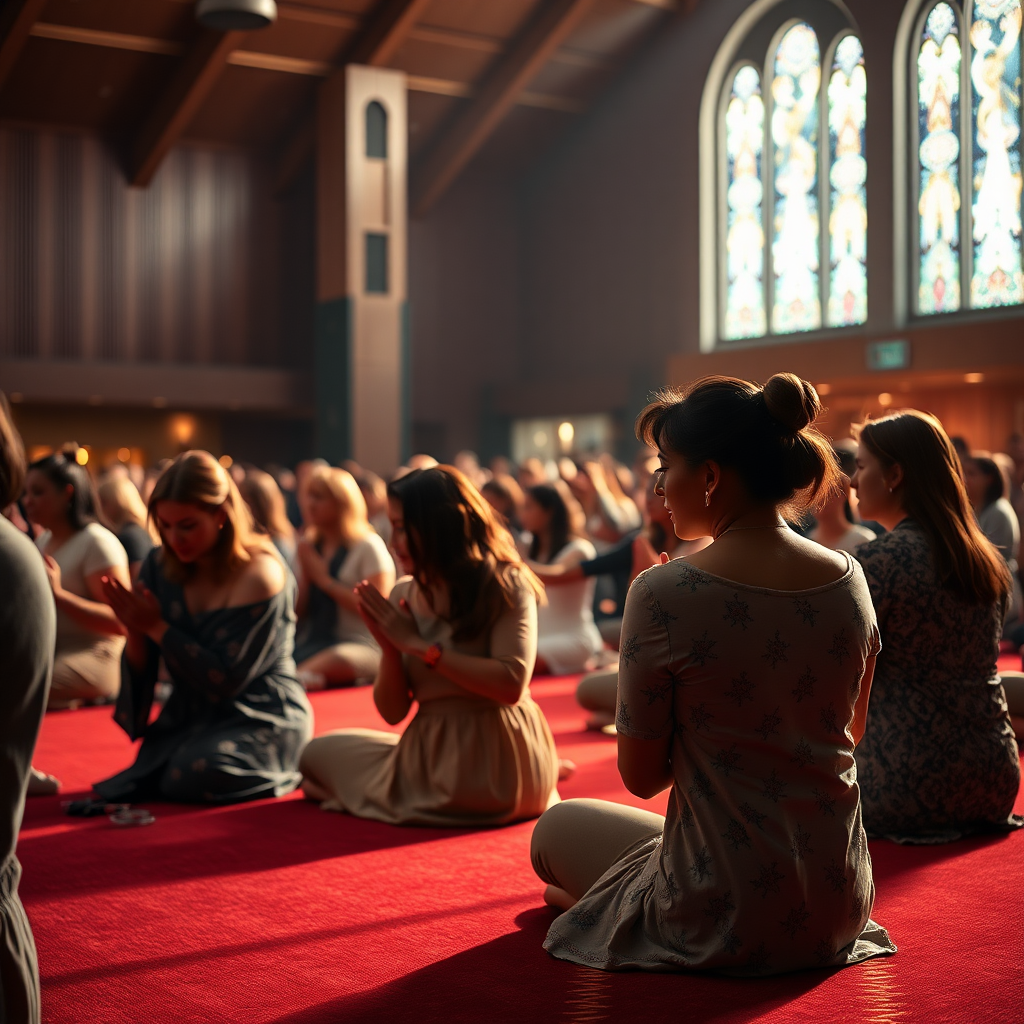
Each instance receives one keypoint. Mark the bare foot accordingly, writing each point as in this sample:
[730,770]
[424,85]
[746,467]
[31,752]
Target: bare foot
[559,898]
[566,769]
[41,784]
[313,791]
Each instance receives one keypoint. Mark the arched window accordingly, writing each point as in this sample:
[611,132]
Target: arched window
[966,62]
[792,238]
[376,131]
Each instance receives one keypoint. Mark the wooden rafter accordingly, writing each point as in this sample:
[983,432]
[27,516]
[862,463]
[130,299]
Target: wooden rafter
[195,77]
[16,21]
[496,96]
[389,26]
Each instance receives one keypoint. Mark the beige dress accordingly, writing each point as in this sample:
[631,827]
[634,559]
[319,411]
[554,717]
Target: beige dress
[463,759]
[763,865]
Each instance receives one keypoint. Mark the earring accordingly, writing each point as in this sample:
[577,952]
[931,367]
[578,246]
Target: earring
[707,499]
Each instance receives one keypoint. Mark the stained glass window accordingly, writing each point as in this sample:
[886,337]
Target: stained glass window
[848,172]
[796,304]
[996,278]
[744,243]
[938,99]
[847,179]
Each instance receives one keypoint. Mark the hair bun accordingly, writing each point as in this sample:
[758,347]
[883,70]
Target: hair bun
[791,401]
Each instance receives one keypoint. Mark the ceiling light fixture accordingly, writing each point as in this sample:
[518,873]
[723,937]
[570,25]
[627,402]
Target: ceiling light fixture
[236,15]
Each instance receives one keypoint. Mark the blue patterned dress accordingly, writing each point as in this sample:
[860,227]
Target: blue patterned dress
[237,718]
[763,865]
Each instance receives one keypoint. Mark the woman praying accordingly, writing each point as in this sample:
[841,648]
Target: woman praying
[216,602]
[458,638]
[744,674]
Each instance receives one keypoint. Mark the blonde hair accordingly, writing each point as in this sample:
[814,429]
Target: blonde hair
[340,485]
[121,503]
[197,478]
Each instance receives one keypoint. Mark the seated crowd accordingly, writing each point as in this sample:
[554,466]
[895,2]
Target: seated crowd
[807,640]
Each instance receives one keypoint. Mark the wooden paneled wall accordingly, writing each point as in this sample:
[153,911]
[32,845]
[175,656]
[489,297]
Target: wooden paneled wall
[189,270]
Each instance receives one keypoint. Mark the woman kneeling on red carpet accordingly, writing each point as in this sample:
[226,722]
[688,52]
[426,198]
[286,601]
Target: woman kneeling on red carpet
[217,602]
[744,674]
[459,636]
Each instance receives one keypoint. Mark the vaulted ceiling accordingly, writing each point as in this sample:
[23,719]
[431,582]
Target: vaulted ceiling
[493,80]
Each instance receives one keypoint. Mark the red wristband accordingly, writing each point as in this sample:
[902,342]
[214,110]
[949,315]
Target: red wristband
[432,655]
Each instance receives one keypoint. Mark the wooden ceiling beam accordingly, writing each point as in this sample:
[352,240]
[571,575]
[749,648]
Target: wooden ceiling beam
[170,116]
[499,92]
[388,27]
[16,21]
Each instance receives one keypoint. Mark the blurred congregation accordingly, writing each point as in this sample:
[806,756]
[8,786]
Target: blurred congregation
[443,353]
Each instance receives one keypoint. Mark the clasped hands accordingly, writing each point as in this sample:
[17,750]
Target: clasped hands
[391,627]
[138,609]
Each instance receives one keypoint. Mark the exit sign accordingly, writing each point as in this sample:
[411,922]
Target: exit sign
[888,355]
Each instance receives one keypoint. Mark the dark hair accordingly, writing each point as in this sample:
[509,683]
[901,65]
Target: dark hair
[63,471]
[551,499]
[456,538]
[12,457]
[933,495]
[764,434]
[995,487]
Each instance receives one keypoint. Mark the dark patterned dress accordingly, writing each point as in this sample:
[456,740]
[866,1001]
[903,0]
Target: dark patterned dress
[938,759]
[237,718]
[763,866]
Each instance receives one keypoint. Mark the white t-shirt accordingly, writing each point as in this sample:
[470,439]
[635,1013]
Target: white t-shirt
[89,551]
[567,637]
[365,558]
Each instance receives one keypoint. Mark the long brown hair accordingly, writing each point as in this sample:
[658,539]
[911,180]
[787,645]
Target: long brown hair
[767,435]
[934,496]
[197,478]
[456,538]
[266,503]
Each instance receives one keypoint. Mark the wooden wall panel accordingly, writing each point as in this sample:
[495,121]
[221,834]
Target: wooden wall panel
[187,271]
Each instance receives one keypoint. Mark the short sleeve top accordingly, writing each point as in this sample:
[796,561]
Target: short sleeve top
[365,558]
[91,550]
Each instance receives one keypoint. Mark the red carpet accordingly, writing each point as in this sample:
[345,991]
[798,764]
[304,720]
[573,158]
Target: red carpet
[276,912]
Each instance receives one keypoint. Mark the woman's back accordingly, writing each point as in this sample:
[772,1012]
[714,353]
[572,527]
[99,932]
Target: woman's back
[938,754]
[757,686]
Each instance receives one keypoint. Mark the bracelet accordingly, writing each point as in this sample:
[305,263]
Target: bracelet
[432,655]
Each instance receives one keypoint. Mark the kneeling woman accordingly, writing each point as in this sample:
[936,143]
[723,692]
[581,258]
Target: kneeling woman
[216,602]
[460,637]
[743,685]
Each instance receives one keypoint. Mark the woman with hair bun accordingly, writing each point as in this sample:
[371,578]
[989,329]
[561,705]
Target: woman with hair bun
[459,638]
[939,759]
[744,674]
[216,602]
[79,552]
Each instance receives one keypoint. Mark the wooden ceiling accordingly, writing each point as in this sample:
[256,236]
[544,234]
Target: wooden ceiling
[488,79]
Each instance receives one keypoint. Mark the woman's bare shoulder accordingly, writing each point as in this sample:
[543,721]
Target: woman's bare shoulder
[261,578]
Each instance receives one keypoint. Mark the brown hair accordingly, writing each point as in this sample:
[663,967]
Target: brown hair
[934,496]
[266,503]
[455,537]
[197,478]
[765,434]
[12,457]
